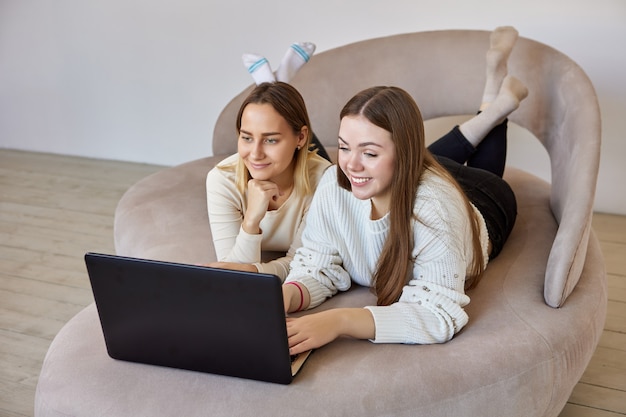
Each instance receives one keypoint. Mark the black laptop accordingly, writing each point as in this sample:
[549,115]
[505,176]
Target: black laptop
[193,317]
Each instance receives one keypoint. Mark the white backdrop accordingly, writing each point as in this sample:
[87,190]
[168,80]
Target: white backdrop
[144,80]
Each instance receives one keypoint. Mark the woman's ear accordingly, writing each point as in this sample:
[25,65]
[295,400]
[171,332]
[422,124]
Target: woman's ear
[302,137]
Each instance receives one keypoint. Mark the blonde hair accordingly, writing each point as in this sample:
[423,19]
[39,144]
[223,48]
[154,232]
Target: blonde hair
[394,110]
[288,102]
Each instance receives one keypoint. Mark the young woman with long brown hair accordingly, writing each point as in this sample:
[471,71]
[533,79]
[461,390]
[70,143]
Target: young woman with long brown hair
[416,225]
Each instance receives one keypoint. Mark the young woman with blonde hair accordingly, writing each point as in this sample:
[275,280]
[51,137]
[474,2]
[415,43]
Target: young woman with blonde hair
[257,199]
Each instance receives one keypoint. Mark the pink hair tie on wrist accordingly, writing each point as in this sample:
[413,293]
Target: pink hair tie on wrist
[301,294]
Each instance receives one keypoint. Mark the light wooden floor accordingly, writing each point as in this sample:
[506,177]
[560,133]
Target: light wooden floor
[54,208]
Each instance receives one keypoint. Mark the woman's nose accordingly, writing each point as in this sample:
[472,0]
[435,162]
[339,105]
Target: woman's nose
[354,162]
[257,150]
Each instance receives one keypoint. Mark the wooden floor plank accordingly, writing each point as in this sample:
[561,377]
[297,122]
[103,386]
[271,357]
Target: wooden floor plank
[599,397]
[577,410]
[24,353]
[75,221]
[607,369]
[46,290]
[14,399]
[609,227]
[616,316]
[69,275]
[617,283]
[614,258]
[58,242]
[613,340]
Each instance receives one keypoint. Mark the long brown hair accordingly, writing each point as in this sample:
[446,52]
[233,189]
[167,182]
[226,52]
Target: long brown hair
[288,102]
[394,110]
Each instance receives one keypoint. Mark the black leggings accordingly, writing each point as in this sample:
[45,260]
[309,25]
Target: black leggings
[478,170]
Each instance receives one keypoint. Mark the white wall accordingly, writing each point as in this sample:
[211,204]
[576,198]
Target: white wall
[144,80]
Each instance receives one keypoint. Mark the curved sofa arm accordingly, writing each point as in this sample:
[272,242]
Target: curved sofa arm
[563,113]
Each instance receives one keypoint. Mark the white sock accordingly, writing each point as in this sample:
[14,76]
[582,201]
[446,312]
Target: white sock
[259,68]
[511,93]
[296,56]
[501,42]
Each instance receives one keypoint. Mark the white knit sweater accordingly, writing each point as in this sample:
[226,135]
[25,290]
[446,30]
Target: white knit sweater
[280,228]
[342,245]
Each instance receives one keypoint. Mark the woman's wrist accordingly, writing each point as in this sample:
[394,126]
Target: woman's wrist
[356,322]
[296,299]
[297,296]
[251,227]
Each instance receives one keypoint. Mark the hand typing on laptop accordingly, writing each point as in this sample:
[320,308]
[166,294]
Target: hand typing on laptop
[315,330]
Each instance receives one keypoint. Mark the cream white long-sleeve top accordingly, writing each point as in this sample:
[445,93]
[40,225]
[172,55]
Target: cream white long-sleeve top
[280,229]
[341,245]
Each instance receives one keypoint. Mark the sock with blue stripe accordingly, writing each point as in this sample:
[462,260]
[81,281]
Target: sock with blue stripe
[296,56]
[259,68]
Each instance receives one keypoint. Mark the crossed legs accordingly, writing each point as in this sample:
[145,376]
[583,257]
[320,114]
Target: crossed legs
[481,141]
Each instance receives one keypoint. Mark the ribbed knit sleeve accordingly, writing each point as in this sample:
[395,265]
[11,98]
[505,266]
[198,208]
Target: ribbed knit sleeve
[226,206]
[318,264]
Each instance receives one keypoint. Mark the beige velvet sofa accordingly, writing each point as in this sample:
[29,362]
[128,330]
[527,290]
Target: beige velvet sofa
[535,319]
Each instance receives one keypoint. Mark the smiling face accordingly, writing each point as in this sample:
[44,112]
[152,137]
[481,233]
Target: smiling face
[267,144]
[367,158]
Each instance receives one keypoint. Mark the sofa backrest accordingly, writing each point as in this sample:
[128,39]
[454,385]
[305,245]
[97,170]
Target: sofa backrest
[445,71]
